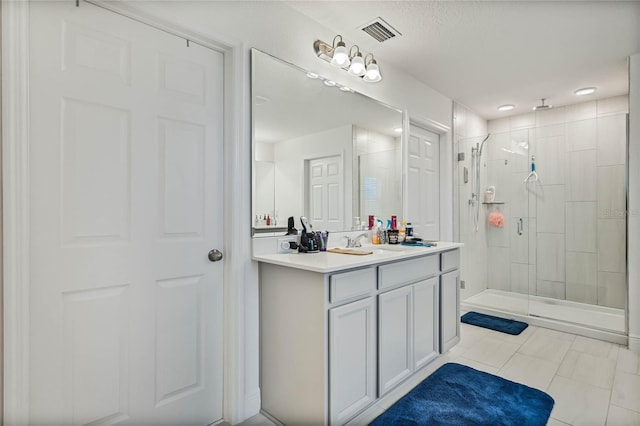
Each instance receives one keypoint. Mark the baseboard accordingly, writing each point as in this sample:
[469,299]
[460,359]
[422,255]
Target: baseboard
[252,404]
[634,343]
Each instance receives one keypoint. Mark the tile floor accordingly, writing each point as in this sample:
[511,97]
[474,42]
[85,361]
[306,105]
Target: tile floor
[592,382]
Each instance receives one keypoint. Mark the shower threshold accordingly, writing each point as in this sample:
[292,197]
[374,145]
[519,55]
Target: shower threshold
[594,321]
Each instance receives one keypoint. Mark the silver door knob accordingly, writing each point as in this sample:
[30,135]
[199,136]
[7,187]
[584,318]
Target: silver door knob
[215,255]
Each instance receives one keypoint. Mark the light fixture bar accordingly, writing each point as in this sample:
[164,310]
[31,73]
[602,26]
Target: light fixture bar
[353,63]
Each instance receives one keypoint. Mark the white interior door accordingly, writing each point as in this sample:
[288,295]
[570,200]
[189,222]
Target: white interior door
[326,193]
[126,202]
[423,188]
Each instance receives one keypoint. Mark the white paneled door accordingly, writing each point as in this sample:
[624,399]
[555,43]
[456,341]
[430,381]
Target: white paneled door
[126,203]
[423,189]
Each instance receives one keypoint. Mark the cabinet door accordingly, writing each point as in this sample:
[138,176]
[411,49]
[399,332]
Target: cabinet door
[449,310]
[395,333]
[425,321]
[352,360]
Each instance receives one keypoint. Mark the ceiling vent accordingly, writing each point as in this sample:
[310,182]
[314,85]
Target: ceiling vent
[380,30]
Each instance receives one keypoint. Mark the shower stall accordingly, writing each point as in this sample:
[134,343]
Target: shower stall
[542,214]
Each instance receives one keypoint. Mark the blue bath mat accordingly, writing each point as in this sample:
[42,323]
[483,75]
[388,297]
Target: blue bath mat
[458,395]
[494,323]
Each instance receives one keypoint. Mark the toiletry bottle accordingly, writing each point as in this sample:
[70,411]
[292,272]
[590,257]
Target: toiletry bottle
[268,220]
[375,236]
[402,234]
[394,222]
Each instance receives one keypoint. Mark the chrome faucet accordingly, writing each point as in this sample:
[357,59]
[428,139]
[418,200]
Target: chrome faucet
[355,242]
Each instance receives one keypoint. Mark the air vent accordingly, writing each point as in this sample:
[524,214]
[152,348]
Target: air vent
[380,30]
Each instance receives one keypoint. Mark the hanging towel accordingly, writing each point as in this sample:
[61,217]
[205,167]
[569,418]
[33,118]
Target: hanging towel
[496,219]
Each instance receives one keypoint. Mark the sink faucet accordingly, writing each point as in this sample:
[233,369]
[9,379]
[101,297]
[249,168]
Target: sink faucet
[355,242]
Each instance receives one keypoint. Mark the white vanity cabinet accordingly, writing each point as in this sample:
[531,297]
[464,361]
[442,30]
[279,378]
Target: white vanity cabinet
[332,342]
[407,318]
[352,358]
[449,300]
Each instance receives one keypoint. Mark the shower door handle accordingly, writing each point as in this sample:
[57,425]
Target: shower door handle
[520,226]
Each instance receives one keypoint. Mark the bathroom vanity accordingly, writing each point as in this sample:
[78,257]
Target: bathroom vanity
[340,331]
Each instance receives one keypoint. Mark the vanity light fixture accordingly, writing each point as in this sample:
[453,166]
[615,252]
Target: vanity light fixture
[585,91]
[373,72]
[340,57]
[357,67]
[506,107]
[350,60]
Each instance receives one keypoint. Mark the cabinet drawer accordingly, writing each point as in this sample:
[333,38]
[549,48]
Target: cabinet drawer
[449,260]
[349,285]
[407,271]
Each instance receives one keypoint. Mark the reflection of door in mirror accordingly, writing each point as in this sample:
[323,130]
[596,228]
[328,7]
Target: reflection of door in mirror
[325,205]
[423,204]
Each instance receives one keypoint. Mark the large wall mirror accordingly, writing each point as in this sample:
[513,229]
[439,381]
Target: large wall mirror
[320,151]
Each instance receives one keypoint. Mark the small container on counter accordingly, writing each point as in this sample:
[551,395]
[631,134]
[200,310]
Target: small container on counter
[394,236]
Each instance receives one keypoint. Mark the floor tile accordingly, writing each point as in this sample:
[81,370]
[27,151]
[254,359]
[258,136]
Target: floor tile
[595,347]
[619,416]
[491,351]
[556,422]
[257,420]
[589,369]
[628,361]
[518,339]
[549,346]
[556,334]
[626,391]
[477,365]
[578,403]
[534,372]
[469,335]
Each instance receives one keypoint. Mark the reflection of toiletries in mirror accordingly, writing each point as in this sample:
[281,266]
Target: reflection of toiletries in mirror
[490,194]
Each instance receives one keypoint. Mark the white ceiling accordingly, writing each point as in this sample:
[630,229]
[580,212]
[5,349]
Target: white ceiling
[488,53]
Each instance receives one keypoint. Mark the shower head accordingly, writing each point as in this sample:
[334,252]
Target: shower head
[542,106]
[482,144]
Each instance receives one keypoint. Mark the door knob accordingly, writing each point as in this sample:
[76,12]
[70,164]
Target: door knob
[215,255]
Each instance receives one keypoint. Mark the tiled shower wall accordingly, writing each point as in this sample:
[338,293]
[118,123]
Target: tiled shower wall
[573,244]
[468,127]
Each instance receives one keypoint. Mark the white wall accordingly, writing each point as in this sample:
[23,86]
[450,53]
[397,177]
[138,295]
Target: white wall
[633,231]
[289,158]
[469,129]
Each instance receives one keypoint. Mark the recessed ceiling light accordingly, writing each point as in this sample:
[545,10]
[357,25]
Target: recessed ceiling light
[330,83]
[398,130]
[585,91]
[507,107]
[345,89]
[312,75]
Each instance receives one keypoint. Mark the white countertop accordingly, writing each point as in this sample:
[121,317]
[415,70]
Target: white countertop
[325,262]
